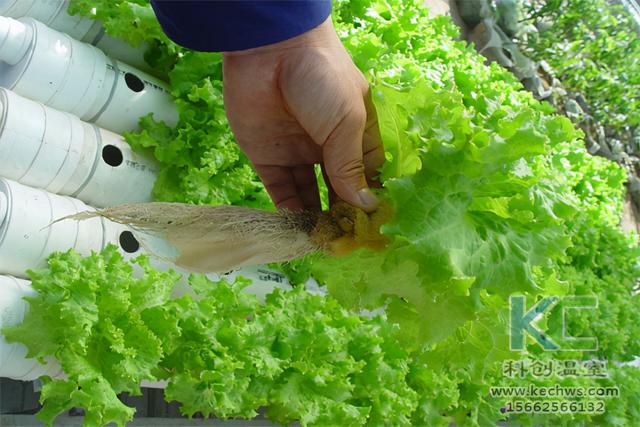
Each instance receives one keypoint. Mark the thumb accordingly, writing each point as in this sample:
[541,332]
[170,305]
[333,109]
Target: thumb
[343,161]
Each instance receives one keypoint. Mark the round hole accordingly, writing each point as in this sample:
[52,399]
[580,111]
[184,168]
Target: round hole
[112,155]
[133,82]
[128,242]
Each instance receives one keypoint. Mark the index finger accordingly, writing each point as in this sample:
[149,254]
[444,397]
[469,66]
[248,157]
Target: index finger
[372,148]
[281,186]
[293,188]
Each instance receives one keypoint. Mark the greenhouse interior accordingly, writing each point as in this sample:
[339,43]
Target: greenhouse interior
[386,213]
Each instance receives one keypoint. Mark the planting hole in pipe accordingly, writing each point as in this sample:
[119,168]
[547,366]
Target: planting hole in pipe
[128,242]
[112,155]
[133,82]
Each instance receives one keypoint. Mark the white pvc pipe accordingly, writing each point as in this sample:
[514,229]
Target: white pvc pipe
[56,151]
[13,356]
[15,40]
[118,175]
[3,208]
[78,78]
[29,232]
[53,13]
[27,236]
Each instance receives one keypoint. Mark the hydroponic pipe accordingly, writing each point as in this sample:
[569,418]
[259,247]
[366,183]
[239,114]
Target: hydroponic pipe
[30,230]
[27,235]
[50,67]
[54,15]
[56,151]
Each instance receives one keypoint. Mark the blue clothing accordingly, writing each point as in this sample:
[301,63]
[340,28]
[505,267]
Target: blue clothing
[218,26]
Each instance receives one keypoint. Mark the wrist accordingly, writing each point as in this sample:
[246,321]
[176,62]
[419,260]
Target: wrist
[320,36]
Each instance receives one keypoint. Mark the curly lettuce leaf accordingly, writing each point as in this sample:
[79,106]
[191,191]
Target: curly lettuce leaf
[89,313]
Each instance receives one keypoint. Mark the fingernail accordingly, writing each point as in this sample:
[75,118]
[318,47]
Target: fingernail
[368,200]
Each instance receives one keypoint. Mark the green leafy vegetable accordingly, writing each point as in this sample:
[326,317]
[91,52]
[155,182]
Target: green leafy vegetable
[493,195]
[222,352]
[92,315]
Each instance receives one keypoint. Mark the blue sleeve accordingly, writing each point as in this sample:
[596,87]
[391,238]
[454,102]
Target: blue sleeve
[218,26]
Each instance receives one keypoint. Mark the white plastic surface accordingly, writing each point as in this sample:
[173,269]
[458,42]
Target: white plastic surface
[53,13]
[56,151]
[78,78]
[3,207]
[34,140]
[27,235]
[126,105]
[15,39]
[13,356]
[123,52]
[130,180]
[14,8]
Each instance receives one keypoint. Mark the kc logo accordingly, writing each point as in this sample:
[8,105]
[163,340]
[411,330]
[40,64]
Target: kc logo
[524,322]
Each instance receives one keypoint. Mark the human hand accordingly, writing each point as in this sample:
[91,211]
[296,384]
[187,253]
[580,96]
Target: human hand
[302,102]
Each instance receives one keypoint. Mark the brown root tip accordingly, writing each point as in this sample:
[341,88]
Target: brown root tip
[345,228]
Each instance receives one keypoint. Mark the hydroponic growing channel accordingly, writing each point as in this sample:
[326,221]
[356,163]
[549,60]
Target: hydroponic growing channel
[494,205]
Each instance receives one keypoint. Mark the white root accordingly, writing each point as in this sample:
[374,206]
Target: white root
[218,238]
